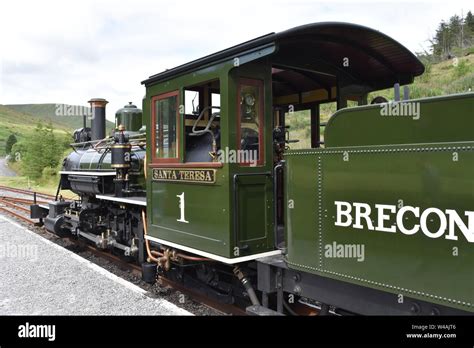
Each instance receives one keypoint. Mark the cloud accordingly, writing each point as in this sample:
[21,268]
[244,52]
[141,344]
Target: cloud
[70,51]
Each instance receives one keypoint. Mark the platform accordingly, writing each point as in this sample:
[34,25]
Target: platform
[39,277]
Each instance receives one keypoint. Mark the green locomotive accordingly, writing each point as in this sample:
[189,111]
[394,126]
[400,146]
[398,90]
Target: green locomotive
[374,217]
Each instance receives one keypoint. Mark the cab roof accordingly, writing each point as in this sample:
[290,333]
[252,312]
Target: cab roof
[321,55]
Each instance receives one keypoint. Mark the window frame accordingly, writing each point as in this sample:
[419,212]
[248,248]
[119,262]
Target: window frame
[261,118]
[153,128]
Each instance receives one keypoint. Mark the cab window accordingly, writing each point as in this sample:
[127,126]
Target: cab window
[166,127]
[250,122]
[202,123]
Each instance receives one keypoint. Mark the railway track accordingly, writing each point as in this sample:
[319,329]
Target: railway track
[18,207]
[27,192]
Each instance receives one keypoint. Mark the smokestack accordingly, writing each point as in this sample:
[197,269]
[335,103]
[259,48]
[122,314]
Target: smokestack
[98,118]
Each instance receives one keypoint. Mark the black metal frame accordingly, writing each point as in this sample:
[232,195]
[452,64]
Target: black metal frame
[274,276]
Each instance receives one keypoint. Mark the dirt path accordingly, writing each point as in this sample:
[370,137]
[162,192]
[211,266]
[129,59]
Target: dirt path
[4,169]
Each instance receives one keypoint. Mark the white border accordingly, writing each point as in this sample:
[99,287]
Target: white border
[123,200]
[215,257]
[87,173]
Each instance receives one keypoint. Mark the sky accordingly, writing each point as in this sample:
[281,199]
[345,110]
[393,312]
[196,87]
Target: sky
[71,51]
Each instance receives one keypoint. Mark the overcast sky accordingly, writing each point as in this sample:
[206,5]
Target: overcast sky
[70,51]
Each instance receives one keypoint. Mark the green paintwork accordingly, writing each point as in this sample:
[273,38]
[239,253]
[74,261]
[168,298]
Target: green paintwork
[442,119]
[210,208]
[129,116]
[421,175]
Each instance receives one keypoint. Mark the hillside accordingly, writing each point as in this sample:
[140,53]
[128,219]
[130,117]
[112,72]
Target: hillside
[47,112]
[446,77]
[20,124]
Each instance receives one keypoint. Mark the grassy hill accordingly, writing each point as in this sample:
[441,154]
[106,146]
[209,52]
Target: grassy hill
[21,119]
[47,112]
[446,77]
[20,124]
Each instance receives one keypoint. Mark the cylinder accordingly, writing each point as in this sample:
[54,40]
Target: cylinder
[98,118]
[121,155]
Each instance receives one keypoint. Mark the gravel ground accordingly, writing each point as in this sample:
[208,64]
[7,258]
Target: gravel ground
[41,278]
[67,293]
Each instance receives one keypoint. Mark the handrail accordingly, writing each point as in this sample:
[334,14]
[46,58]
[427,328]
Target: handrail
[280,164]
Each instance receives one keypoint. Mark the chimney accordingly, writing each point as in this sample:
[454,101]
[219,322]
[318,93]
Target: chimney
[98,118]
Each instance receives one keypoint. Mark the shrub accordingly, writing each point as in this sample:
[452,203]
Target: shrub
[463,84]
[12,140]
[461,69]
[42,149]
[17,151]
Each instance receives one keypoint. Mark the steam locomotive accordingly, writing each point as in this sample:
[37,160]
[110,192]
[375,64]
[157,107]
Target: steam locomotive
[375,216]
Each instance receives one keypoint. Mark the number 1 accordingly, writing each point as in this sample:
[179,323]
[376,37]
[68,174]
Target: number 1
[181,206]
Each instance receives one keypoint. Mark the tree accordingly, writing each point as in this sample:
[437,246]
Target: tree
[469,22]
[469,29]
[450,36]
[454,25]
[441,41]
[12,140]
[42,150]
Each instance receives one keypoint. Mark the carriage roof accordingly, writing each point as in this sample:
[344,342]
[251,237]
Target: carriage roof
[320,55]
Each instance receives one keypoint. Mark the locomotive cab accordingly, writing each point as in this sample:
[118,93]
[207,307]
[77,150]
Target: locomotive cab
[217,131]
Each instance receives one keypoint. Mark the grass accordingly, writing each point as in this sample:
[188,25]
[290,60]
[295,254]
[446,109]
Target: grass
[22,182]
[448,77]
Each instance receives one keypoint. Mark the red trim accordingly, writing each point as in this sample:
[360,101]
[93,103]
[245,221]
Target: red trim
[153,128]
[187,165]
[261,118]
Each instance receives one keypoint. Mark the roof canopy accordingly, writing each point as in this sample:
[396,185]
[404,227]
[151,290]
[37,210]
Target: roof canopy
[321,55]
